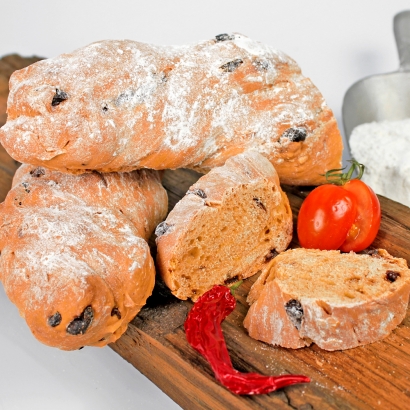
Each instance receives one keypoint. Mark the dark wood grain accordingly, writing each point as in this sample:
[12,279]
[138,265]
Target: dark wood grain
[7,169]
[368,377]
[9,64]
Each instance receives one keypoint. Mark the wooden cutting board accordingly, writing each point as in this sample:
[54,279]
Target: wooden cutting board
[369,377]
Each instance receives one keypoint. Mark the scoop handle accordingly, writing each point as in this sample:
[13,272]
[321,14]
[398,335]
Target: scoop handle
[401,26]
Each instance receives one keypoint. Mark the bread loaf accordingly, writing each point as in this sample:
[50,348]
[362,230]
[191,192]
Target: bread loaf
[337,301]
[227,227]
[123,105]
[74,257]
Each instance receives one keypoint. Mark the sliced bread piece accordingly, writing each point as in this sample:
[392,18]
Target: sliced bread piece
[227,227]
[337,301]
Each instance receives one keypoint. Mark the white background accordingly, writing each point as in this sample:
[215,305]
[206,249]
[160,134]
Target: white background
[335,42]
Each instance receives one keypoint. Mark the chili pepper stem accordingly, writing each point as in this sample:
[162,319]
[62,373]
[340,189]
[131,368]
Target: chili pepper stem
[337,177]
[235,286]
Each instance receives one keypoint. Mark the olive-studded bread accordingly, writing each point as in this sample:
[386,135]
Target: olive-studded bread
[74,257]
[122,105]
[335,300]
[227,227]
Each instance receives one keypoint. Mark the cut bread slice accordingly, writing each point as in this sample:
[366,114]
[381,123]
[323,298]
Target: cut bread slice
[338,301]
[226,228]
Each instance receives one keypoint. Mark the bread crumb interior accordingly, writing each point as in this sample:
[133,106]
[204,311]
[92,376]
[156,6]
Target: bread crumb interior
[336,278]
[229,241]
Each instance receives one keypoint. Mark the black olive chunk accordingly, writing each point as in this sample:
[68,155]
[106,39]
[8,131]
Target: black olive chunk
[259,203]
[297,134]
[224,37]
[54,320]
[295,312]
[37,172]
[198,192]
[270,255]
[392,276]
[161,229]
[59,97]
[261,65]
[115,311]
[80,324]
[372,252]
[231,65]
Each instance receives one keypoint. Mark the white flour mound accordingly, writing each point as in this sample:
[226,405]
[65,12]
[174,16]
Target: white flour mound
[384,149]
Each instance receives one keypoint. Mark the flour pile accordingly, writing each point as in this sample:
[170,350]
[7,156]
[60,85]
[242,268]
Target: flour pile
[384,148]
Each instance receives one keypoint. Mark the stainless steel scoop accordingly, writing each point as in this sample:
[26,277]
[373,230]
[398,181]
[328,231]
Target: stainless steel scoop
[384,96]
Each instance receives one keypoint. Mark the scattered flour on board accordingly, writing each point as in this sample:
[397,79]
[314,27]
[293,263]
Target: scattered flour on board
[384,148]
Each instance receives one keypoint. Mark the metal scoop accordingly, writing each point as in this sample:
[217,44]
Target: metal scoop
[384,96]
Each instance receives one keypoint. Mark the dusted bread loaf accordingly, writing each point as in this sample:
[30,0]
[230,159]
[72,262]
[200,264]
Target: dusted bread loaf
[337,301]
[123,105]
[74,257]
[226,228]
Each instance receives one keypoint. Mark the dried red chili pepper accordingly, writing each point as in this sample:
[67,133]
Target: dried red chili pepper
[204,333]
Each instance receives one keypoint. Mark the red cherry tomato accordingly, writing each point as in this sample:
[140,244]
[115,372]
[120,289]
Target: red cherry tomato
[339,217]
[326,217]
[367,221]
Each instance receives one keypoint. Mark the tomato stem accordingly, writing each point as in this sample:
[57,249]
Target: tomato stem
[338,177]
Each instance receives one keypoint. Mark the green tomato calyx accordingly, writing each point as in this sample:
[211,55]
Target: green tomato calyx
[338,177]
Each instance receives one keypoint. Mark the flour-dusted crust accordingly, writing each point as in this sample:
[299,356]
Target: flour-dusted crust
[74,256]
[123,105]
[338,301]
[227,227]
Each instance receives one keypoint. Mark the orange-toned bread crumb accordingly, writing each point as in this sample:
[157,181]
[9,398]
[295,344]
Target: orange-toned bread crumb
[338,301]
[228,226]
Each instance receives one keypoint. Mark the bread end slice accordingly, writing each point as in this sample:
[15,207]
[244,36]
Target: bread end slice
[338,301]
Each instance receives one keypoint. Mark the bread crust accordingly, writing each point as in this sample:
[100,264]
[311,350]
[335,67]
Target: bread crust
[123,105]
[74,257]
[199,222]
[331,323]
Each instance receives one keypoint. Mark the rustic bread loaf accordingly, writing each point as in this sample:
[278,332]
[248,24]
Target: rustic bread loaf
[226,228]
[74,256]
[123,105]
[337,301]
